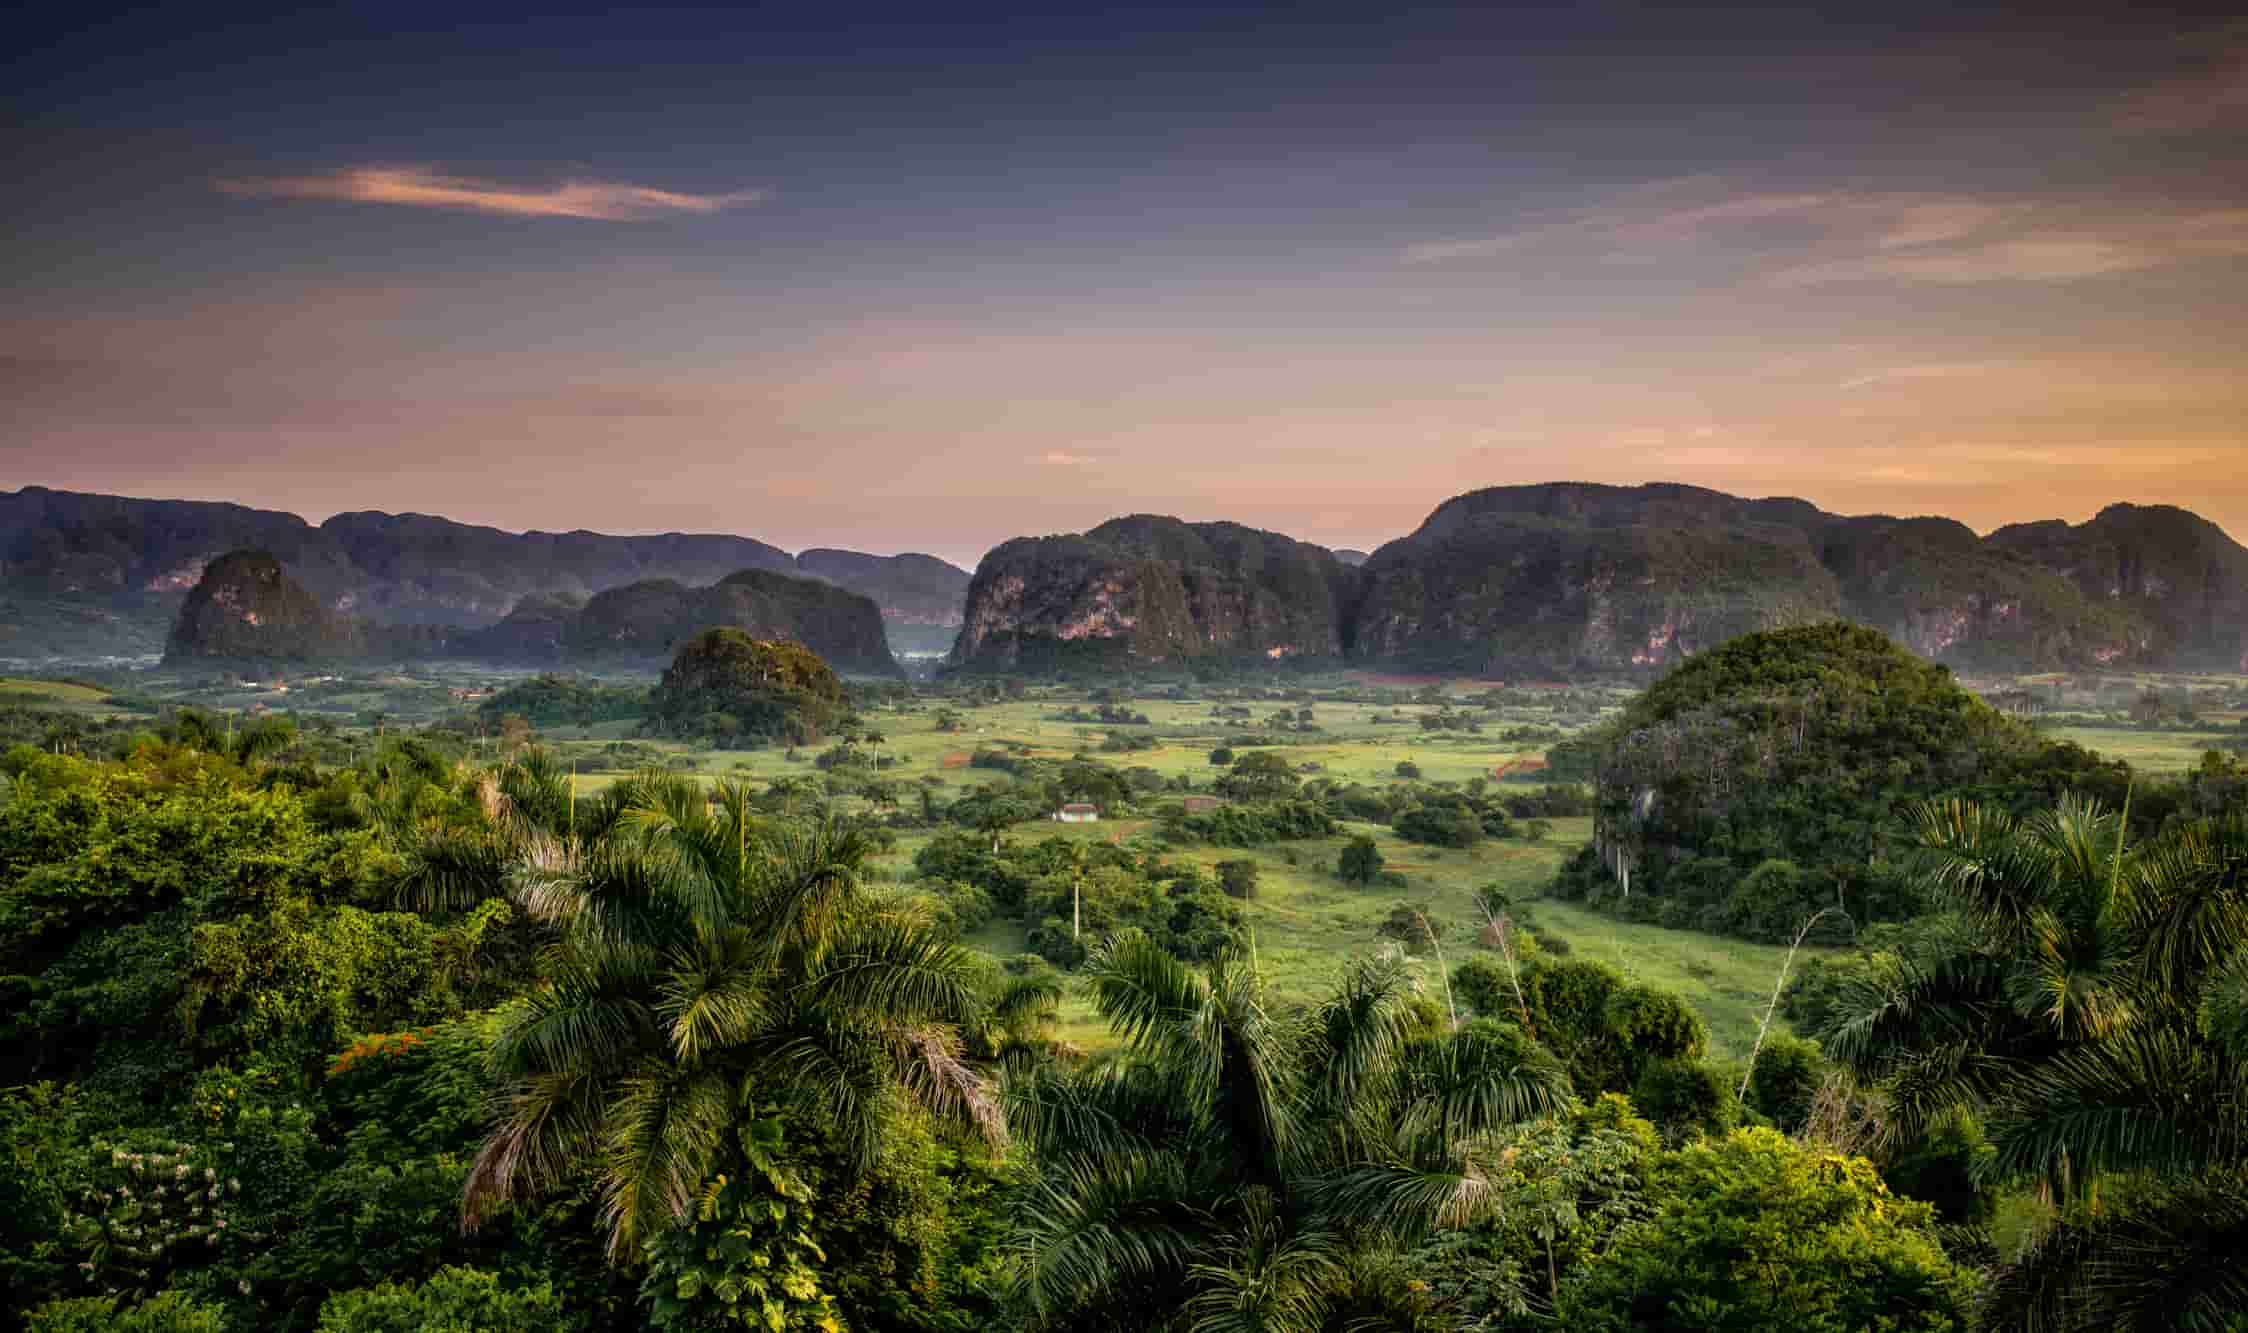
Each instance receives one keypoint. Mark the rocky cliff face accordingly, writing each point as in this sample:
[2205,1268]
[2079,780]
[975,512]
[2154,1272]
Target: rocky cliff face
[911,589]
[1571,577]
[2173,576]
[1504,588]
[1934,586]
[1150,589]
[652,619]
[101,573]
[1611,577]
[247,607]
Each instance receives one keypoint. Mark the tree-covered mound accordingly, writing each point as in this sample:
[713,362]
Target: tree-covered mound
[246,606]
[1755,784]
[742,692]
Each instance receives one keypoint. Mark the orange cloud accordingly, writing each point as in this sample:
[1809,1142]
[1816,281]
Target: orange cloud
[424,187]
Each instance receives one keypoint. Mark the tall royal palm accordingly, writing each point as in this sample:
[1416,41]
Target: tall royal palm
[707,965]
[1236,1167]
[2086,1008]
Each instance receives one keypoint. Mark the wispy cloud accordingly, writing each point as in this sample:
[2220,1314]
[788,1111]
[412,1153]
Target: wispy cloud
[425,187]
[1484,247]
[1647,215]
[1056,458]
[1933,370]
[1797,239]
[2061,252]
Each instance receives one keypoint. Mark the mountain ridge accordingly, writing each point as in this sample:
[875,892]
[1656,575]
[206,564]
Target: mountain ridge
[88,573]
[247,607]
[1566,576]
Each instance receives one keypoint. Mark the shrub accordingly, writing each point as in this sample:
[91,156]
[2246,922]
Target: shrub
[1482,984]
[1757,1233]
[1360,860]
[1785,1078]
[167,1313]
[1238,878]
[1411,927]
[1686,1099]
[1655,1025]
[455,1300]
[1440,825]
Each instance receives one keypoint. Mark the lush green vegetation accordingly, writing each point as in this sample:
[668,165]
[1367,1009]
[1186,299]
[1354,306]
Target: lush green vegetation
[738,691]
[331,1023]
[1763,781]
[550,700]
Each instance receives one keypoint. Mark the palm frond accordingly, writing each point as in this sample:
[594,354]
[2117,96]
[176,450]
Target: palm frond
[2222,1015]
[897,971]
[712,997]
[1477,1081]
[451,870]
[926,1059]
[662,1138]
[1149,998]
[549,1124]
[1091,1227]
[2150,1101]
[2189,903]
[1125,1105]
[1406,1199]
[1354,1035]
[1265,1276]
[840,1070]
[2160,1258]
[1027,1001]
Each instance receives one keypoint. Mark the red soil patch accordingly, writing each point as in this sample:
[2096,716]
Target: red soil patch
[954,759]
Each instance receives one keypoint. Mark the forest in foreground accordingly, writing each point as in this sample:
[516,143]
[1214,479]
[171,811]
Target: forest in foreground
[392,1036]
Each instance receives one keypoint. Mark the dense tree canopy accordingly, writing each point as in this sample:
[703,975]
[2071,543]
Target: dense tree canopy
[1798,750]
[725,686]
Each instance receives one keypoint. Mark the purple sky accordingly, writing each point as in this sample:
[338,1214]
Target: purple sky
[860,277]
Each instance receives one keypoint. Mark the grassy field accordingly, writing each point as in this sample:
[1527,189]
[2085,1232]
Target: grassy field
[2146,751]
[1307,923]
[1350,747]
[50,693]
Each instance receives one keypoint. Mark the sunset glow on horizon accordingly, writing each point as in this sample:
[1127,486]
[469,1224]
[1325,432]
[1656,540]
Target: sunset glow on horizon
[912,283]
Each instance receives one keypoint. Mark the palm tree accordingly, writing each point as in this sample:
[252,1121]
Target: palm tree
[2081,1008]
[463,833]
[707,965]
[1235,1167]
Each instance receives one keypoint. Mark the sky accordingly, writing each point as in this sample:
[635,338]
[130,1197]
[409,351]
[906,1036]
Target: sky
[926,277]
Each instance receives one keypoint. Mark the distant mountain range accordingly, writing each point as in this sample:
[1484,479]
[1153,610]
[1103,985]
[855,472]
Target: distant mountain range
[1511,580]
[85,575]
[247,607]
[1572,576]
